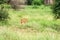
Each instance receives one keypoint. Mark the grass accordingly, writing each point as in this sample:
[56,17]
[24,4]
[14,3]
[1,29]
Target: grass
[37,17]
[40,25]
[26,34]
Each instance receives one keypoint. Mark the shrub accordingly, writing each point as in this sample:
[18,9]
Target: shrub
[37,2]
[3,13]
[56,9]
[3,1]
[29,2]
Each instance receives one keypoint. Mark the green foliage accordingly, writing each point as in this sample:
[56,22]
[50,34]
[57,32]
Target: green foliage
[37,2]
[29,2]
[56,9]
[3,1]
[7,6]
[3,15]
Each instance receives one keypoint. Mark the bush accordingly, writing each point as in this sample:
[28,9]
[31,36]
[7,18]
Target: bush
[3,15]
[3,1]
[56,9]
[29,2]
[37,2]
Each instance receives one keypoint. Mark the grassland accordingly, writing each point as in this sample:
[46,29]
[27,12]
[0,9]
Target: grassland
[41,24]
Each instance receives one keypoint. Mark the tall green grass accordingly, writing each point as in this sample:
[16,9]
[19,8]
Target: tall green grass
[11,34]
[38,18]
[40,21]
